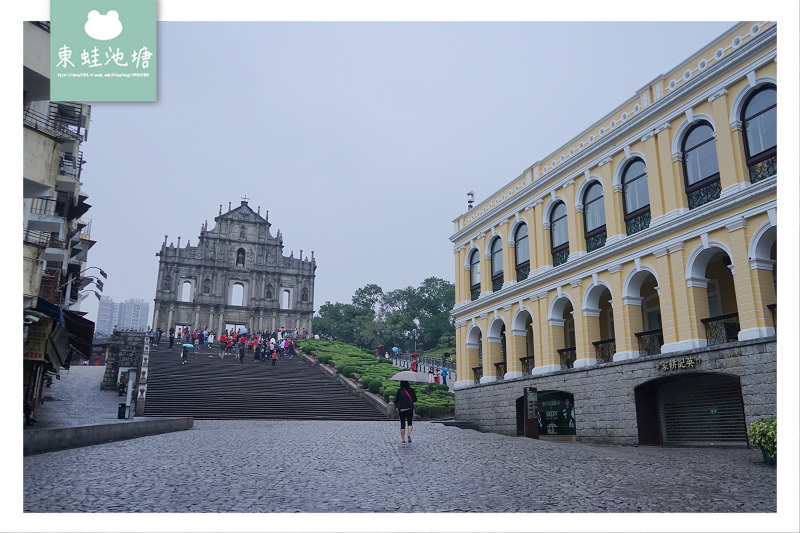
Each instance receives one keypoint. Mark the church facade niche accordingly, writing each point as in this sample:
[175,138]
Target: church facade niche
[245,280]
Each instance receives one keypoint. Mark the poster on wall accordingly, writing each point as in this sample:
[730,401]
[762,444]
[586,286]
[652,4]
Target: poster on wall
[556,413]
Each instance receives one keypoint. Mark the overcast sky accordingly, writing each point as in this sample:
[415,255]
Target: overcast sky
[360,139]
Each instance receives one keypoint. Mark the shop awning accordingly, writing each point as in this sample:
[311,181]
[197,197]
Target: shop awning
[71,333]
[81,333]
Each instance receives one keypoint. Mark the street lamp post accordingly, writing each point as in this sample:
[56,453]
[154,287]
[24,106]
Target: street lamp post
[94,279]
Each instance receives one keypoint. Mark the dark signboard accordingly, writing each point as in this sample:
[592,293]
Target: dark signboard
[556,413]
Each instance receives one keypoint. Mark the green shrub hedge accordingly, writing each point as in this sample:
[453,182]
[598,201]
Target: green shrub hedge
[433,399]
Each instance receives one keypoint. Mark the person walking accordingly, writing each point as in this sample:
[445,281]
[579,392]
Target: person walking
[171,336]
[444,375]
[241,353]
[184,355]
[430,375]
[404,400]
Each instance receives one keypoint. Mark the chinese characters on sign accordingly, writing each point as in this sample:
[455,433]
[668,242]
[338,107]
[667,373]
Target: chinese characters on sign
[103,55]
[36,339]
[138,59]
[679,363]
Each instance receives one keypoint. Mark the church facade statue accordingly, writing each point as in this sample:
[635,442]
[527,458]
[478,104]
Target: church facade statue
[236,277]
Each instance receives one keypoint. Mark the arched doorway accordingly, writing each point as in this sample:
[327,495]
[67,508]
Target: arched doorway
[698,409]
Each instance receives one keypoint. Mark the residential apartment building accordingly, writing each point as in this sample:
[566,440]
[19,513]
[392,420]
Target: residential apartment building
[56,239]
[627,281]
[130,315]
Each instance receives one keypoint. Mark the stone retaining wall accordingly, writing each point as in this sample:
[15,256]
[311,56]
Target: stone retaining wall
[605,410]
[52,439]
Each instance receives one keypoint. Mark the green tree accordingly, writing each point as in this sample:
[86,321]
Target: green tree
[375,317]
[369,297]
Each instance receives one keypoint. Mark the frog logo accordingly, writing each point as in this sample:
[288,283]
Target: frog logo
[103,27]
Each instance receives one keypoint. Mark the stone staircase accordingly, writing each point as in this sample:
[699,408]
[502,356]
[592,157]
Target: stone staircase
[207,388]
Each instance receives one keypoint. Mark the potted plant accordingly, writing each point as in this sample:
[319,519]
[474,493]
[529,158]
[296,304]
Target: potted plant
[764,434]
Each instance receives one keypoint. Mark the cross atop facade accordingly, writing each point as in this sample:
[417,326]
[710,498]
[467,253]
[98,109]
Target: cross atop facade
[245,198]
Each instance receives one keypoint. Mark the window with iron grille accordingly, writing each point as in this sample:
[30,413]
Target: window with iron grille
[522,252]
[475,274]
[594,217]
[559,234]
[700,165]
[636,196]
[759,122]
[497,264]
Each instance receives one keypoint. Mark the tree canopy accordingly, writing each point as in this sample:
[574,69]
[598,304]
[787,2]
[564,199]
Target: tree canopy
[375,317]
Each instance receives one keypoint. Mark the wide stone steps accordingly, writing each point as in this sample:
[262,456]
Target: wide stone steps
[207,388]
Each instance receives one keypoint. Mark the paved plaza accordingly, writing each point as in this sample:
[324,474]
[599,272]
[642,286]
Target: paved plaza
[362,467]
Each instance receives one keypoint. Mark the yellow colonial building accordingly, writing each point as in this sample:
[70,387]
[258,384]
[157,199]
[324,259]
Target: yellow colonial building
[630,276]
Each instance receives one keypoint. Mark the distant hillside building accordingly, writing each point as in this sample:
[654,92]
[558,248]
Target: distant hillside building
[236,276]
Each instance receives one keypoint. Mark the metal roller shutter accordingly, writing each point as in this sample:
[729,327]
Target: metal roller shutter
[702,410]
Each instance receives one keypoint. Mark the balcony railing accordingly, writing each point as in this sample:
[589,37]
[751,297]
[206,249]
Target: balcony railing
[764,169]
[650,342]
[773,308]
[497,283]
[70,167]
[637,224]
[477,373]
[560,257]
[48,206]
[722,329]
[703,195]
[605,350]
[523,272]
[567,357]
[39,238]
[527,364]
[596,241]
[500,370]
[51,125]
[474,293]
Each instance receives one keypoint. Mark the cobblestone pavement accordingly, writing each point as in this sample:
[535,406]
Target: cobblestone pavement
[76,399]
[361,467]
[318,467]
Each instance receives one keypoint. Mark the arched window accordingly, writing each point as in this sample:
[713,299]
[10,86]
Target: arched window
[497,264]
[268,292]
[636,197]
[700,166]
[759,122]
[594,217]
[475,274]
[559,234]
[286,299]
[186,291]
[522,252]
[242,233]
[237,294]
[240,257]
[207,286]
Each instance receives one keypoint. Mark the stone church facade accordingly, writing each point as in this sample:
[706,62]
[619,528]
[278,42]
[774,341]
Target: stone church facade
[236,276]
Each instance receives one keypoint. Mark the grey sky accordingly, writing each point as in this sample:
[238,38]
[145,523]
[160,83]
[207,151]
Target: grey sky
[360,139]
